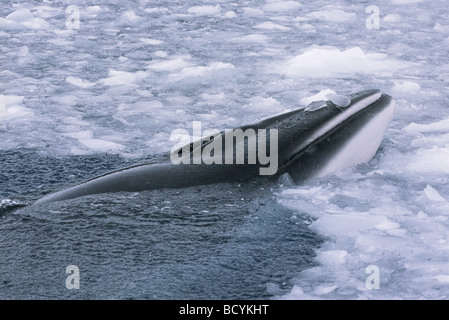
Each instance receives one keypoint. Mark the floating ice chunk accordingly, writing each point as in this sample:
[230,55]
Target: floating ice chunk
[86,134]
[152,42]
[129,19]
[282,6]
[339,100]
[11,109]
[432,160]
[252,12]
[422,215]
[264,104]
[23,52]
[307,27]
[297,293]
[156,10]
[205,10]
[230,14]
[433,140]
[324,289]
[346,224]
[139,108]
[335,15]
[433,195]
[441,28]
[201,70]
[93,9]
[213,98]
[168,65]
[87,139]
[286,181]
[320,96]
[328,62]
[11,100]
[79,82]
[208,116]
[22,19]
[442,125]
[315,105]
[144,93]
[254,38]
[397,232]
[388,225]
[392,17]
[442,278]
[118,78]
[268,25]
[8,25]
[36,23]
[14,112]
[332,257]
[47,12]
[160,54]
[406,87]
[21,15]
[101,145]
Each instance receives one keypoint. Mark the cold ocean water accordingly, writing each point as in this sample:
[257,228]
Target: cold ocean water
[82,97]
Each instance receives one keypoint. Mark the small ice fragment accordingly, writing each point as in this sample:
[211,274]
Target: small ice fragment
[320,96]
[286,180]
[21,15]
[407,87]
[128,19]
[282,6]
[339,100]
[79,82]
[442,125]
[442,278]
[433,194]
[315,105]
[205,10]
[392,18]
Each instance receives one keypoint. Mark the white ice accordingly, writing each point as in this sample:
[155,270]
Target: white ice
[328,62]
[133,73]
[22,19]
[11,109]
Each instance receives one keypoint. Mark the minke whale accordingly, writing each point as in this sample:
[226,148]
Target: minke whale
[311,142]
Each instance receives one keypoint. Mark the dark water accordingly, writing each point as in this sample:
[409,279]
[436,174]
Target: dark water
[224,241]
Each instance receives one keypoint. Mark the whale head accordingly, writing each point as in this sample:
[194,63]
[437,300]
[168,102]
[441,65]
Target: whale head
[334,137]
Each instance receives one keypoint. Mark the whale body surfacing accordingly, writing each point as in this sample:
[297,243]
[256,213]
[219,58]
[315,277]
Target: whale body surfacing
[310,142]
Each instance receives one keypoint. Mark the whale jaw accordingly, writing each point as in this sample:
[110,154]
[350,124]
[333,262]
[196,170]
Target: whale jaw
[351,137]
[364,143]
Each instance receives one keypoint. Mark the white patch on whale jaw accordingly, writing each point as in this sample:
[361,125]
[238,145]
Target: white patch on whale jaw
[362,147]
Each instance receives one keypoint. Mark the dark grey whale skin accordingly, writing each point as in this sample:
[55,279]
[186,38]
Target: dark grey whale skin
[303,149]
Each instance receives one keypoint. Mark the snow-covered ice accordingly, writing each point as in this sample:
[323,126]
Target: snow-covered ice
[135,71]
